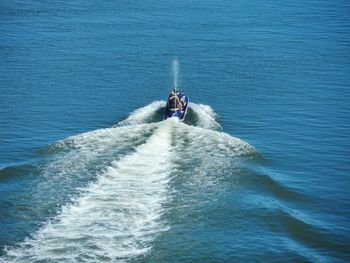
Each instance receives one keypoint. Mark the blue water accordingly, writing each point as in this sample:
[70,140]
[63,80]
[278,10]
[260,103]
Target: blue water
[259,172]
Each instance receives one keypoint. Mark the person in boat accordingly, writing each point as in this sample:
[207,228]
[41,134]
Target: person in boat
[174,101]
[182,98]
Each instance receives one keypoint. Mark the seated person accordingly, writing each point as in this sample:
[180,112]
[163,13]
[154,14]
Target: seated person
[174,101]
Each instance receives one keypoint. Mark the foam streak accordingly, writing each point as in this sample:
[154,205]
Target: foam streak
[116,217]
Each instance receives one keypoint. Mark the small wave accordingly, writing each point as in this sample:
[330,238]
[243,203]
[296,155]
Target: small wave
[282,191]
[301,229]
[206,116]
[143,114]
[12,172]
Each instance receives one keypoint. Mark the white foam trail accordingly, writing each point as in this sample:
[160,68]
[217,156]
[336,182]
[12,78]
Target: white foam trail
[116,217]
[209,157]
[206,116]
[99,140]
[86,153]
[140,115]
[210,142]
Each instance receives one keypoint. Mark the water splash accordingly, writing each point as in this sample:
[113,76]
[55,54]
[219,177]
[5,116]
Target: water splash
[176,72]
[143,114]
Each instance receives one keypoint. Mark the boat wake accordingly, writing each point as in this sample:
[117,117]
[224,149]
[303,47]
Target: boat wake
[115,186]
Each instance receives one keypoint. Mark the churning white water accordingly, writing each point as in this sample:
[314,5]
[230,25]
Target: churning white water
[118,215]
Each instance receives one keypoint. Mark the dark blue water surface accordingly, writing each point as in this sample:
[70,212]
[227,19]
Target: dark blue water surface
[274,74]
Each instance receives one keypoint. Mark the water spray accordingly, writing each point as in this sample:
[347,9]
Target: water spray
[176,72]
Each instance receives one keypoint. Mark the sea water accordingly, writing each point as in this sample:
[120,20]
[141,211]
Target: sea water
[258,172]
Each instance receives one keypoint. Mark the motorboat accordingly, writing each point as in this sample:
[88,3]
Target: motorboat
[177,105]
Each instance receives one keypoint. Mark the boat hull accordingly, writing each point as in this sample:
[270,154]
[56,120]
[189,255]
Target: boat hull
[176,113]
